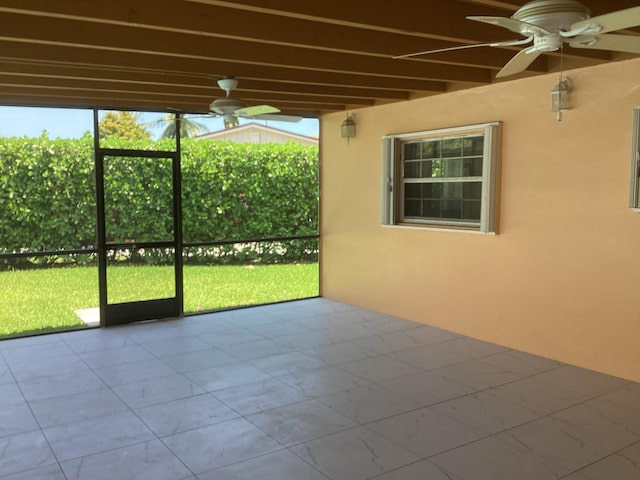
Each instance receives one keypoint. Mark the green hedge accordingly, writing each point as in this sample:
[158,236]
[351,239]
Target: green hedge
[229,192]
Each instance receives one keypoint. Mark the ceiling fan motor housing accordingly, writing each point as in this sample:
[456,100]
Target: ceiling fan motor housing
[226,105]
[552,15]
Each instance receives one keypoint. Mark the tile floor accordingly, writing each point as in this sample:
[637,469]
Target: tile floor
[309,390]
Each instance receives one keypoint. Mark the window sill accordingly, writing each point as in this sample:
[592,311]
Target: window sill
[637,210]
[432,228]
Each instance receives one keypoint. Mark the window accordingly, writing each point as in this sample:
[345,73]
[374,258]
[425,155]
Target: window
[442,178]
[634,199]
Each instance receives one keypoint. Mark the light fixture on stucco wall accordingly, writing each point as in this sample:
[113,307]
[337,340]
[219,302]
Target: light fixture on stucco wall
[560,96]
[348,127]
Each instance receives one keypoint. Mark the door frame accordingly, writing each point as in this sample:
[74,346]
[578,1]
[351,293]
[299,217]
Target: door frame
[120,313]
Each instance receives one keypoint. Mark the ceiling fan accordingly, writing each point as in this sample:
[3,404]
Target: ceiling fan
[231,108]
[549,24]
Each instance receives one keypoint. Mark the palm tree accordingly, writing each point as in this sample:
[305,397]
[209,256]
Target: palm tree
[188,126]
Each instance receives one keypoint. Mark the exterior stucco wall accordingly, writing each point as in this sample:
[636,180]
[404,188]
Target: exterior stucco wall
[562,276]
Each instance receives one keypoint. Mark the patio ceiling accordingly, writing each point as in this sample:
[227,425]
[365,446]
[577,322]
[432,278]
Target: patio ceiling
[304,57]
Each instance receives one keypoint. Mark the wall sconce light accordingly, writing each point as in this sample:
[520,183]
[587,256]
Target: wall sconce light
[560,96]
[348,127]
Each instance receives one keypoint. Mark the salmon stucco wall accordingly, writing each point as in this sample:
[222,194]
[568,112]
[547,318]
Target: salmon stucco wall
[560,279]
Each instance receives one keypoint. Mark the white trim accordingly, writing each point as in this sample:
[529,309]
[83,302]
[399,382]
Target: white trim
[431,228]
[444,131]
[487,225]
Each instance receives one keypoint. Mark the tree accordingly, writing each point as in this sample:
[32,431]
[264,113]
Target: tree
[188,127]
[124,125]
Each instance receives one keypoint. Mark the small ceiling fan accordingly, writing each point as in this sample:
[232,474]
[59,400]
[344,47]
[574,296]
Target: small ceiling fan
[549,24]
[231,108]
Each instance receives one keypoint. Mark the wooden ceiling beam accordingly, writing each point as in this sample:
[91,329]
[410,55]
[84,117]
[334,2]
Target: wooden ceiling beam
[58,95]
[199,19]
[206,69]
[444,19]
[101,38]
[189,83]
[205,95]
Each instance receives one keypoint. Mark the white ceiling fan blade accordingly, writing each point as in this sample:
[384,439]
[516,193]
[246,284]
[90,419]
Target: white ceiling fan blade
[609,22]
[517,26]
[616,43]
[519,63]
[278,117]
[255,110]
[506,43]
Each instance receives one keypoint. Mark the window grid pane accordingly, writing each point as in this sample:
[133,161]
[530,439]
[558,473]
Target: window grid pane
[442,178]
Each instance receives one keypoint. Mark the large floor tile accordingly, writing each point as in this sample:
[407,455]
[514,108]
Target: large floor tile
[428,357]
[323,380]
[199,360]
[157,390]
[494,458]
[281,465]
[143,461]
[520,362]
[572,439]
[24,451]
[256,349]
[338,353]
[300,422]
[368,403]
[96,435]
[231,337]
[424,432]
[17,418]
[95,341]
[10,395]
[184,414]
[472,348]
[225,376]
[541,398]
[310,339]
[287,363]
[378,369]
[26,351]
[130,353]
[34,369]
[175,346]
[427,334]
[624,465]
[581,380]
[214,446]
[5,373]
[133,372]
[355,454]
[259,396]
[76,407]
[427,388]
[67,383]
[627,395]
[422,470]
[49,472]
[484,413]
[478,374]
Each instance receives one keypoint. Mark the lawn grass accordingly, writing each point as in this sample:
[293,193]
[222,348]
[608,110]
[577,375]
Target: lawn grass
[44,300]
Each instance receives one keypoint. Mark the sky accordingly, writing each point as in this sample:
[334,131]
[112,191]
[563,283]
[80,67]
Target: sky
[72,123]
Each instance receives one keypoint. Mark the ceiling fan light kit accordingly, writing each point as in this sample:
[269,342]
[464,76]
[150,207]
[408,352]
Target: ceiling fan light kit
[231,108]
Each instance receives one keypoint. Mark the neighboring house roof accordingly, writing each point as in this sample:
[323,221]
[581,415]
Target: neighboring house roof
[257,133]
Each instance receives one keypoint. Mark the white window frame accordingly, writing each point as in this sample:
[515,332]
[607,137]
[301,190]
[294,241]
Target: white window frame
[391,145]
[634,197]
